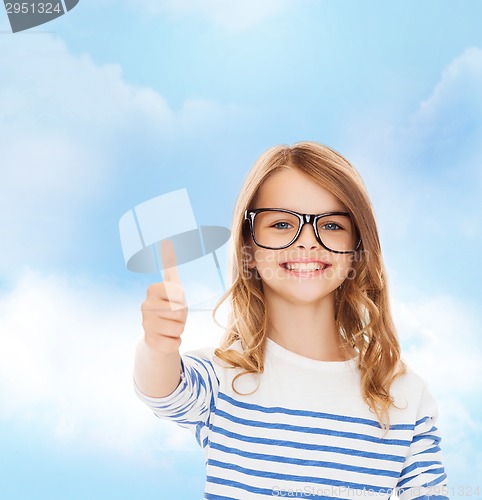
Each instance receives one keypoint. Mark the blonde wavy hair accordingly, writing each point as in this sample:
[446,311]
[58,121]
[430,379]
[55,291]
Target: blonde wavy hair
[362,310]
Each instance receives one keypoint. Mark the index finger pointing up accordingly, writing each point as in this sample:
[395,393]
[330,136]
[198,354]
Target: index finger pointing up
[169,262]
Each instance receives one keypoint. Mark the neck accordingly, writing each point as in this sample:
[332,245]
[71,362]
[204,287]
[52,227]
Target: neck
[306,329]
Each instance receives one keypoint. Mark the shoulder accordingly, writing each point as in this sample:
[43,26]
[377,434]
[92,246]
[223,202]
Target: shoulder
[201,352]
[411,389]
[410,379]
[206,356]
[208,352]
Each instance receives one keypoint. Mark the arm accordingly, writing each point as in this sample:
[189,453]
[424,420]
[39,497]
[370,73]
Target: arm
[157,366]
[423,475]
[181,388]
[156,374]
[192,402]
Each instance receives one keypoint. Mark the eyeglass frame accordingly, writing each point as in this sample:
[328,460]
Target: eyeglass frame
[312,219]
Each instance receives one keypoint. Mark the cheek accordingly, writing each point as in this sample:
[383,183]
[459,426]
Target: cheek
[342,268]
[249,255]
[265,258]
[343,261]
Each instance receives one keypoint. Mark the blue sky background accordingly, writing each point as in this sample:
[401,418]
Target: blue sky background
[120,101]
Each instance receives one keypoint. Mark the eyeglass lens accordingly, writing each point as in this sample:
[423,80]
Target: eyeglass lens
[278,229]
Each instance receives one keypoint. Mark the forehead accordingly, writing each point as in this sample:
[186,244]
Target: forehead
[294,190]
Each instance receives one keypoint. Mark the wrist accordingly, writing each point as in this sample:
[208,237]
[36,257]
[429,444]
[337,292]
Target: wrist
[160,345]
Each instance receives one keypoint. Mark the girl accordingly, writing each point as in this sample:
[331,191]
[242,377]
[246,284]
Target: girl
[307,395]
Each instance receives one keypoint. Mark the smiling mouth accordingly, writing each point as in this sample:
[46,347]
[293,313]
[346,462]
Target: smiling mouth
[304,266]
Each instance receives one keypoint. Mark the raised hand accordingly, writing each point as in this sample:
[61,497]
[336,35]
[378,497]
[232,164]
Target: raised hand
[164,312]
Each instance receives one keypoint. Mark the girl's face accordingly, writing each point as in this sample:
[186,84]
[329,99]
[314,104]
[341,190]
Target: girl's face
[305,272]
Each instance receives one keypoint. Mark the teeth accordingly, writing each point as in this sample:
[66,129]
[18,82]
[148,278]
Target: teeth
[299,266]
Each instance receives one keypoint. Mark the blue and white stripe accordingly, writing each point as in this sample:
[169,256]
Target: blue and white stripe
[258,448]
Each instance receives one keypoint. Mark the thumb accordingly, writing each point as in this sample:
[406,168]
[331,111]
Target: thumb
[169,262]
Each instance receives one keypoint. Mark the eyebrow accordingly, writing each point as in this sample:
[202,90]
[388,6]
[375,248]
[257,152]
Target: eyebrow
[303,212]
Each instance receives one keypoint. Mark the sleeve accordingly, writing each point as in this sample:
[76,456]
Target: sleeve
[423,475]
[193,401]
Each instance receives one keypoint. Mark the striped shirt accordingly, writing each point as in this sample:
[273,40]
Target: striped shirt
[306,431]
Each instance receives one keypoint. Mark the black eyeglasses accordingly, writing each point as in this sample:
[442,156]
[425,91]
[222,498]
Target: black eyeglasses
[277,228]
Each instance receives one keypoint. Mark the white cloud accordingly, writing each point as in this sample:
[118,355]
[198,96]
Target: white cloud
[461,437]
[440,339]
[66,358]
[67,346]
[460,84]
[234,15]
[446,127]
[67,132]
[423,172]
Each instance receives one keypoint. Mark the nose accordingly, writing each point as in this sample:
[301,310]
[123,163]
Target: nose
[307,237]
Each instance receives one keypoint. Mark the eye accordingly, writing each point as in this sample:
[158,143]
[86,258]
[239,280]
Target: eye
[282,225]
[331,226]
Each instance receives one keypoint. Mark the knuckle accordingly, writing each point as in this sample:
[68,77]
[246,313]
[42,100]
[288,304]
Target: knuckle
[147,308]
[178,328]
[172,341]
[154,289]
[179,314]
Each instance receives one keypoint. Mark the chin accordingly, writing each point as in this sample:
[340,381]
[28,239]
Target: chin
[306,299]
[303,296]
